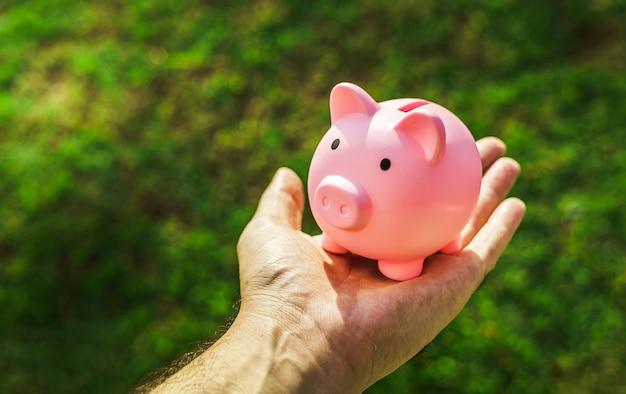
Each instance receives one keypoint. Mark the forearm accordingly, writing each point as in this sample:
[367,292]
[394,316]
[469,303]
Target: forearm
[259,355]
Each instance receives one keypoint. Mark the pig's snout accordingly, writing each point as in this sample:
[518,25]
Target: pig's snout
[342,204]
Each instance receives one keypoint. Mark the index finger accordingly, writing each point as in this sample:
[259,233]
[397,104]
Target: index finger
[490,149]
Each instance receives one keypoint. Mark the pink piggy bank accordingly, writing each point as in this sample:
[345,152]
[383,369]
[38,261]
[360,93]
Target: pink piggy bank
[394,181]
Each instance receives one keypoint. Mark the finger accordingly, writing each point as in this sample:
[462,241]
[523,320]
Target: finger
[283,200]
[490,242]
[279,212]
[450,280]
[496,184]
[490,149]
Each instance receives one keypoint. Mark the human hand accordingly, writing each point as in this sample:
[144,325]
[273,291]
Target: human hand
[346,325]
[310,321]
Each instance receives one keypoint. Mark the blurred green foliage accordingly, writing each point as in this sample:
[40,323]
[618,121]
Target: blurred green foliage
[136,138]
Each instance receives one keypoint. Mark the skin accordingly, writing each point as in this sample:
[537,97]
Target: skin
[316,322]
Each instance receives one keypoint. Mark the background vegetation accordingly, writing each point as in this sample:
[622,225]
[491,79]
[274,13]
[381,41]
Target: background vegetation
[137,136]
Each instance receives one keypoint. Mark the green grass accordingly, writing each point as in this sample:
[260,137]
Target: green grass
[136,138]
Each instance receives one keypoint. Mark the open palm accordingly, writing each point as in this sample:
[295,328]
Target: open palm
[358,324]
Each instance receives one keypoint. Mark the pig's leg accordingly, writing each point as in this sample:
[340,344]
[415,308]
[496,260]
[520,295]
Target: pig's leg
[453,247]
[332,246]
[400,271]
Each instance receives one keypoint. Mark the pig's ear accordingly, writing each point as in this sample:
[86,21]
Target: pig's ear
[347,98]
[428,129]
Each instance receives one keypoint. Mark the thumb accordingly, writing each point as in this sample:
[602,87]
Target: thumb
[263,240]
[283,200]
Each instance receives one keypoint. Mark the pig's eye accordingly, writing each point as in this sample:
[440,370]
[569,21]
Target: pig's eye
[335,144]
[385,164]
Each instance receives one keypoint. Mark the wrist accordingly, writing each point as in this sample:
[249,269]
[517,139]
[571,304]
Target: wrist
[290,352]
[265,353]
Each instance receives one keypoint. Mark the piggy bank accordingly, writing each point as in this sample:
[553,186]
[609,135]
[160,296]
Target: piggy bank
[394,181]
